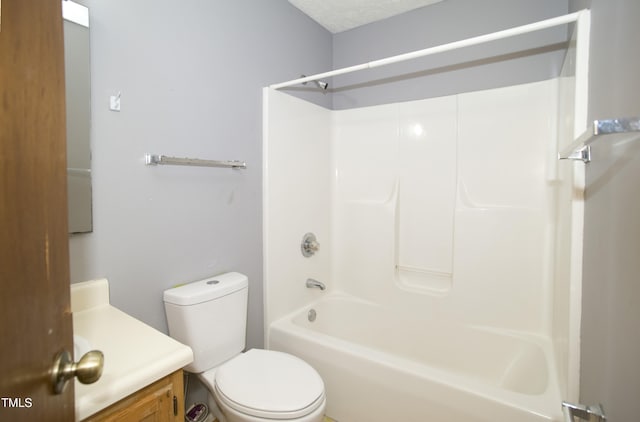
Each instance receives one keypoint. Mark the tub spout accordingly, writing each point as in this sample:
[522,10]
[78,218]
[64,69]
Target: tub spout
[311,283]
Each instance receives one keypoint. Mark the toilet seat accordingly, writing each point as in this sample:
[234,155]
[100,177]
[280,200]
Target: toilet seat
[269,384]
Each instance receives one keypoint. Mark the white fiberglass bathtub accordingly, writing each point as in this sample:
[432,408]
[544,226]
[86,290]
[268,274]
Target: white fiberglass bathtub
[379,366]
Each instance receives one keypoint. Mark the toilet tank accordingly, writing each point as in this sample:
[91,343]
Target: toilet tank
[210,316]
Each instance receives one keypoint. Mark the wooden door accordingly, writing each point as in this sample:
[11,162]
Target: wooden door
[35,317]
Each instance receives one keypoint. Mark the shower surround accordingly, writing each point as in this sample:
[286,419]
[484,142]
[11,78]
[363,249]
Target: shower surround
[445,230]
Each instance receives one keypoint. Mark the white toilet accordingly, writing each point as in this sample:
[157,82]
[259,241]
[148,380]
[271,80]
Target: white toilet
[210,316]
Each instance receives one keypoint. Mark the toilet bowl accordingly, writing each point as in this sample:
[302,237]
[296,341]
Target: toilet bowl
[265,385]
[254,386]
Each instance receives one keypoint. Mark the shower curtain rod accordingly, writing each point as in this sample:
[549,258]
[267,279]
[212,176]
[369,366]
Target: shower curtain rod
[532,27]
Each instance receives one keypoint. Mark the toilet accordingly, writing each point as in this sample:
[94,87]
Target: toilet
[210,316]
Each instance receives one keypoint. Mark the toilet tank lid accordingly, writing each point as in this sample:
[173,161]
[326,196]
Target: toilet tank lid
[205,290]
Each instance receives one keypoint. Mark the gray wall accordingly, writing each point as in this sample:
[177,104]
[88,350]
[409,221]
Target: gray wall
[190,75]
[526,58]
[610,370]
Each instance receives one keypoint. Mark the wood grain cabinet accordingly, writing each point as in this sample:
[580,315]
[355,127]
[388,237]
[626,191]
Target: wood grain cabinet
[162,401]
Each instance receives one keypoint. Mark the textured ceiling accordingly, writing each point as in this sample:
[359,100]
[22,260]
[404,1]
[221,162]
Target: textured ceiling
[340,15]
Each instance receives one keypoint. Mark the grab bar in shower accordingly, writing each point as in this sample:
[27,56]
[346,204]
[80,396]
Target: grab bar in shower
[152,160]
[579,149]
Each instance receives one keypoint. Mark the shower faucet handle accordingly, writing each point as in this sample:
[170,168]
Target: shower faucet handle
[312,245]
[309,245]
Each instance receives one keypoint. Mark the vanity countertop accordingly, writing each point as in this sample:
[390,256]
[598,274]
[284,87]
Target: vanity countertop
[135,354]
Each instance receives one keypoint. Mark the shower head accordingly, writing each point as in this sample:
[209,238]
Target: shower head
[320,84]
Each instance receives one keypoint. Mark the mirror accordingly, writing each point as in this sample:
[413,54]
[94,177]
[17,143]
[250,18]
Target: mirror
[78,98]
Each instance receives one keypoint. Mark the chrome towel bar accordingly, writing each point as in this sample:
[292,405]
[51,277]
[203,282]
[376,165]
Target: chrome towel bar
[572,411]
[579,149]
[152,160]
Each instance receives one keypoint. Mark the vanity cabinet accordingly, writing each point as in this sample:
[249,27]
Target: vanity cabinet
[162,401]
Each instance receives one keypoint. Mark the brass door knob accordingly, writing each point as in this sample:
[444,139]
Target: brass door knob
[88,369]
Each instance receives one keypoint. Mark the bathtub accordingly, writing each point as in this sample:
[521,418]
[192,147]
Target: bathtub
[383,366]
